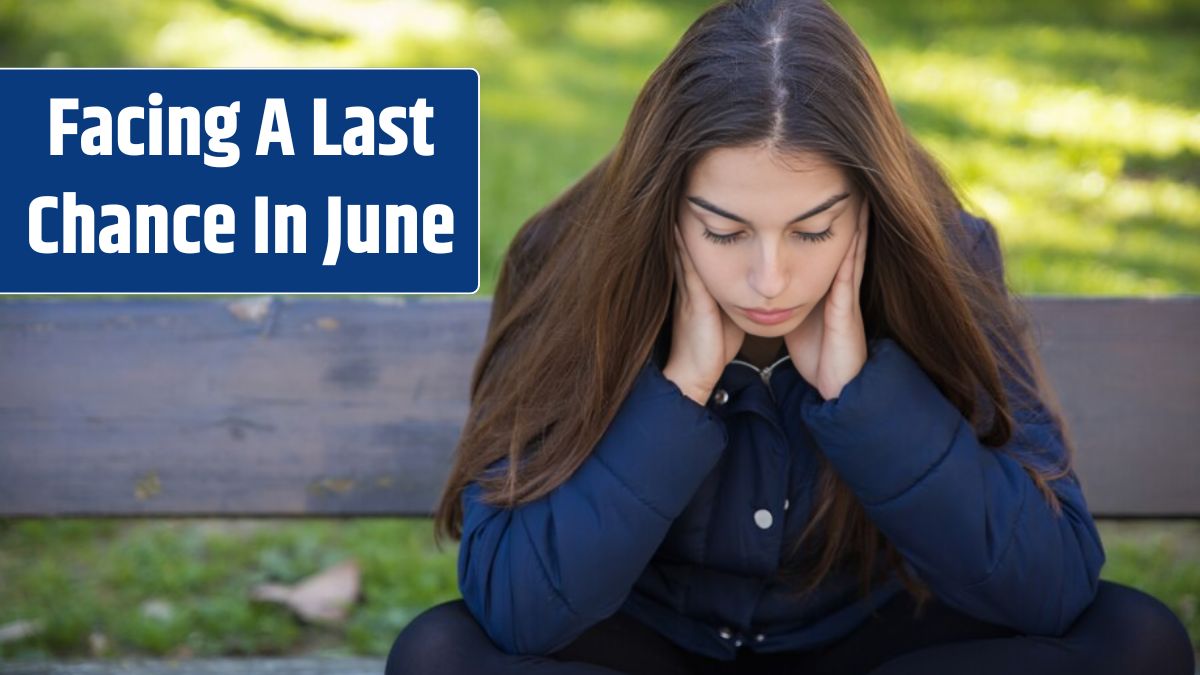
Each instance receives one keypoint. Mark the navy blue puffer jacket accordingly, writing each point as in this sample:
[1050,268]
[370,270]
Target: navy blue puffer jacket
[683,513]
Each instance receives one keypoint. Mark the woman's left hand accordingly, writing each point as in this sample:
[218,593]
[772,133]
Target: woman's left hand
[829,347]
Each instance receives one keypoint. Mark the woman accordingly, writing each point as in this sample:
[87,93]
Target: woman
[656,478]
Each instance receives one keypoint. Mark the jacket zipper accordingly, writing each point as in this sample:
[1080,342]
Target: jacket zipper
[764,373]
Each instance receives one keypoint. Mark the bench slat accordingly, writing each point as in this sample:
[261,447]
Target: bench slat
[339,407]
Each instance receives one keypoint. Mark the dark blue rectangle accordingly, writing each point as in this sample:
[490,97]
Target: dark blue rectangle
[447,174]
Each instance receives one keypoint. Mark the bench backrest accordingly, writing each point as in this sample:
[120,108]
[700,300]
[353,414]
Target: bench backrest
[269,406]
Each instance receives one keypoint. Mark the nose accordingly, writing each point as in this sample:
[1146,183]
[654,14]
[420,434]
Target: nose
[769,275]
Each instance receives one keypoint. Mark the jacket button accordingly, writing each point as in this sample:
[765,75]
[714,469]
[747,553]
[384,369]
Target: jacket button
[725,632]
[785,505]
[720,396]
[763,519]
[737,642]
[760,637]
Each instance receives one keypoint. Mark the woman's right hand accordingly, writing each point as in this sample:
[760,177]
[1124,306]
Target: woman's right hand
[703,337]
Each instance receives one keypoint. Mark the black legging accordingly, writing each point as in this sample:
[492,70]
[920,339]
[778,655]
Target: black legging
[1123,631]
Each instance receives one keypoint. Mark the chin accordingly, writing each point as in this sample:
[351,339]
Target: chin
[768,331]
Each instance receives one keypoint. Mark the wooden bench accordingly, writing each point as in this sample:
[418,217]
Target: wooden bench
[268,406]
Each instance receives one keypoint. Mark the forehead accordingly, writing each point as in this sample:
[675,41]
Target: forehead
[748,177]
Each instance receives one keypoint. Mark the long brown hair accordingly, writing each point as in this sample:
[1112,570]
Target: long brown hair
[587,282]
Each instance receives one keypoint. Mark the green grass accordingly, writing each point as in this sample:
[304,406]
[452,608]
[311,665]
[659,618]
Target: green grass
[87,576]
[1074,126]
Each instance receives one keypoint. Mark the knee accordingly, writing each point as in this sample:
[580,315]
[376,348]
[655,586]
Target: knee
[430,642]
[1134,632]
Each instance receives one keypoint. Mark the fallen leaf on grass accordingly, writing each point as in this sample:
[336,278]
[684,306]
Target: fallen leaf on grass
[324,597]
[19,630]
[157,609]
[98,642]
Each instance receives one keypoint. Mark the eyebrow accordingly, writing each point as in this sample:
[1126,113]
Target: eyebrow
[823,206]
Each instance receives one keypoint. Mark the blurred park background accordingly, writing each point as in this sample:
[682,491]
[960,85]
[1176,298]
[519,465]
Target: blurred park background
[1074,126]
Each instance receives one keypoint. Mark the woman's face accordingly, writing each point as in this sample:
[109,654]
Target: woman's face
[770,260]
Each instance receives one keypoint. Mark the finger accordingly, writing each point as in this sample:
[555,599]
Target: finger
[860,262]
[845,273]
[691,277]
[680,271]
[680,289]
[683,251]
[839,294]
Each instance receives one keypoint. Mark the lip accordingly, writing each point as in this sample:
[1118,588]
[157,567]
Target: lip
[768,318]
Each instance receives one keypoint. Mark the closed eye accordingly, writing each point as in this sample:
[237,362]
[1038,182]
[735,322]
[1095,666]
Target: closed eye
[732,238]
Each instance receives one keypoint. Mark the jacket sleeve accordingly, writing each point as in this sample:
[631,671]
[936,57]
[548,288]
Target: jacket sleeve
[966,518]
[537,575]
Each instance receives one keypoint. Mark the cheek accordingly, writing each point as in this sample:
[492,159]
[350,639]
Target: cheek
[825,267]
[714,269]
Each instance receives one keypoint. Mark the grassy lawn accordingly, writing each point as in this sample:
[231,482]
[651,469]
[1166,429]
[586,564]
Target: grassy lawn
[1074,126]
